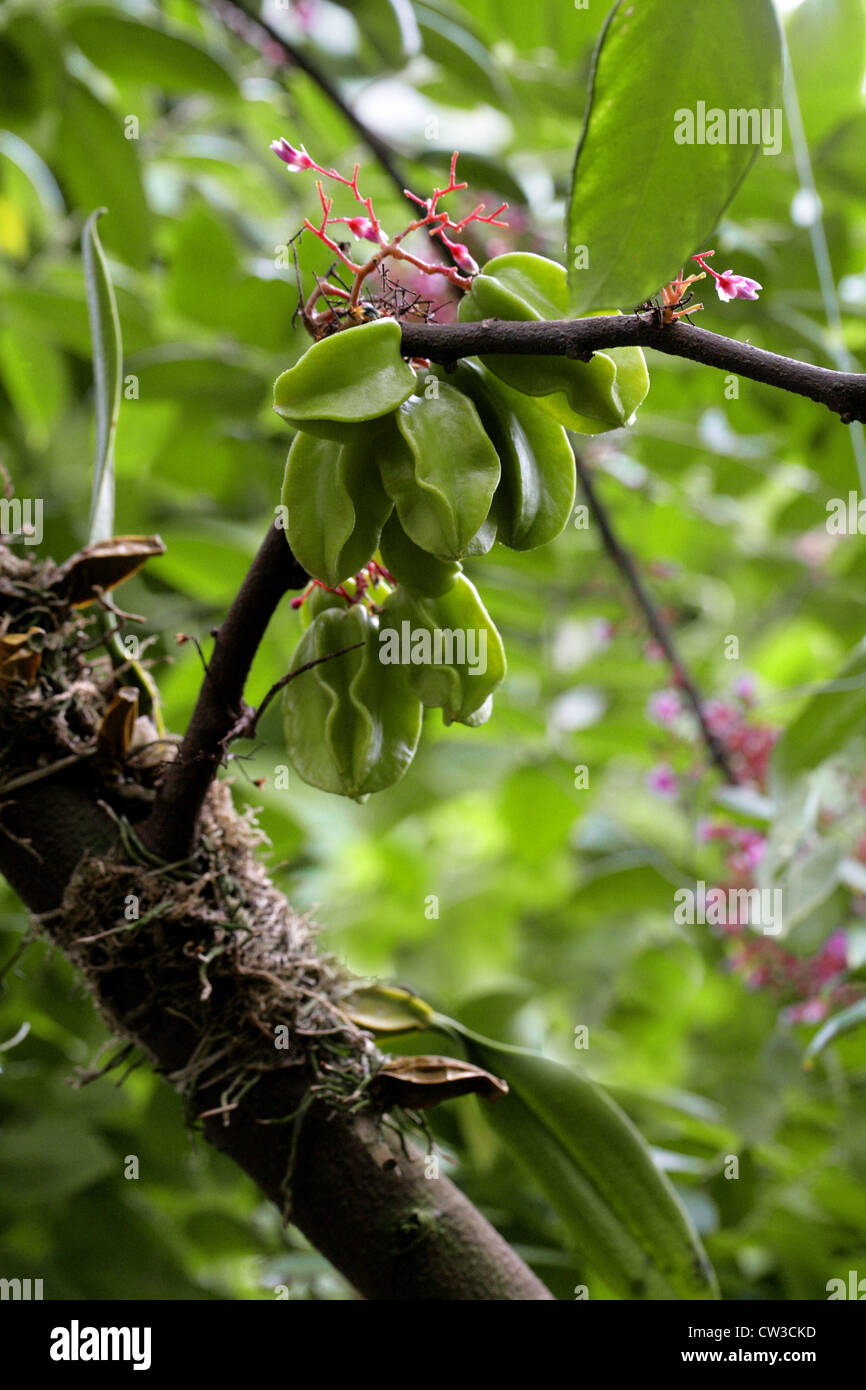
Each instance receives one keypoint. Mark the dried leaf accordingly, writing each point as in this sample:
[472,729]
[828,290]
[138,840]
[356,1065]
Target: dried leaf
[419,1082]
[19,661]
[104,565]
[118,724]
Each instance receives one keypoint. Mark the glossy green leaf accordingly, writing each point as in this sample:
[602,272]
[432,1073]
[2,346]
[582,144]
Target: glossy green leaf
[642,202]
[336,506]
[351,724]
[597,1172]
[107,377]
[448,647]
[441,470]
[349,377]
[852,1017]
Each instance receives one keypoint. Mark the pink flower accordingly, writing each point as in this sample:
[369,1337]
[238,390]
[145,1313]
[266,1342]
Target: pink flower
[663,781]
[362,228]
[744,689]
[731,286]
[664,706]
[708,830]
[728,285]
[810,1011]
[462,259]
[296,159]
[721,718]
[832,959]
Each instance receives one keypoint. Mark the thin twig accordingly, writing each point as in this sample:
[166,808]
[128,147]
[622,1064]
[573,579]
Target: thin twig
[248,723]
[655,622]
[235,15]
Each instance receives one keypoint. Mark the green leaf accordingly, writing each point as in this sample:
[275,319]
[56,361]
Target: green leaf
[826,724]
[387,1009]
[107,376]
[100,168]
[51,1159]
[458,51]
[852,1017]
[597,1172]
[130,51]
[641,202]
[389,26]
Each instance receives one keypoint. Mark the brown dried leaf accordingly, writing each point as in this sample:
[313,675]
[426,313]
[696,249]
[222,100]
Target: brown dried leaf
[118,724]
[418,1082]
[19,661]
[104,565]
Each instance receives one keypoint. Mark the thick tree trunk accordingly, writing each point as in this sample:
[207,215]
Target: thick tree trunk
[357,1194]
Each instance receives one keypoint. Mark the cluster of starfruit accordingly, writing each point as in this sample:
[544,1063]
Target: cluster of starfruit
[397,474]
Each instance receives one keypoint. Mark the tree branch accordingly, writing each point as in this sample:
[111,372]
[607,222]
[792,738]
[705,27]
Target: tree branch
[842,392]
[169,831]
[655,622]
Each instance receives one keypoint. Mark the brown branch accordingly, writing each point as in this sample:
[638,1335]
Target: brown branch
[655,622]
[842,392]
[169,831]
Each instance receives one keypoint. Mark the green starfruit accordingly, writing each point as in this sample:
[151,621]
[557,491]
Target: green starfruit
[417,569]
[536,492]
[352,724]
[440,469]
[336,506]
[588,397]
[346,380]
[448,647]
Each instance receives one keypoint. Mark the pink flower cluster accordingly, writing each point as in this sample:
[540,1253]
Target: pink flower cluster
[436,222]
[807,987]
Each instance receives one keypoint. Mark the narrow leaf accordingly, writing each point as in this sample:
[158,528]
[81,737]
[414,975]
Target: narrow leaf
[107,368]
[852,1017]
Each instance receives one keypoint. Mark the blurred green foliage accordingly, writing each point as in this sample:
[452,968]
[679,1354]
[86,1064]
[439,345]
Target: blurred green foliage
[487,880]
